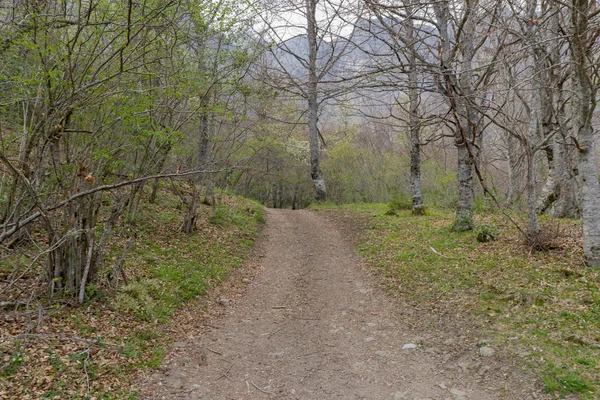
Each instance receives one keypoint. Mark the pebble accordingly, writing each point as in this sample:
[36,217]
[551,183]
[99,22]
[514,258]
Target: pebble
[484,370]
[369,339]
[246,280]
[381,353]
[224,302]
[418,340]
[486,352]
[276,355]
[458,394]
[409,346]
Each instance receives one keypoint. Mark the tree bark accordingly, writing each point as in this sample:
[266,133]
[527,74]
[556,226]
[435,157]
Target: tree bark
[313,104]
[514,170]
[418,206]
[584,103]
[460,92]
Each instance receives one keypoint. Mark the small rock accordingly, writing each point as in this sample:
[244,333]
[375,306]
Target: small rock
[381,353]
[486,352]
[246,280]
[409,346]
[458,394]
[484,370]
[276,355]
[358,364]
[369,339]
[224,302]
[443,385]
[418,340]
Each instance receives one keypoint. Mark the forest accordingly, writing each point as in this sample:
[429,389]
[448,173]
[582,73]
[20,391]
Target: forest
[129,127]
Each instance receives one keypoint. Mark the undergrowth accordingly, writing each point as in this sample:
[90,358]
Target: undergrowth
[542,306]
[165,271]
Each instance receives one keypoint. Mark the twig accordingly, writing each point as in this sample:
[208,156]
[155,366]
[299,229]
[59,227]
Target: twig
[87,376]
[264,391]
[310,371]
[307,319]
[443,256]
[214,351]
[119,264]
[63,338]
[224,375]
[268,335]
[279,307]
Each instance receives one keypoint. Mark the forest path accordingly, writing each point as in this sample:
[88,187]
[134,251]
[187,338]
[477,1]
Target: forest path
[312,325]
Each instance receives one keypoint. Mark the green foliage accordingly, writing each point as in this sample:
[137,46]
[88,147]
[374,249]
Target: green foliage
[139,298]
[463,223]
[401,201]
[564,382]
[223,216]
[14,364]
[185,267]
[486,233]
[484,204]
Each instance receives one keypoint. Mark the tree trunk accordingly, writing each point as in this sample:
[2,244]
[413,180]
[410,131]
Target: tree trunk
[203,141]
[313,103]
[514,170]
[418,206]
[459,92]
[566,205]
[584,102]
[536,117]
[551,188]
[464,211]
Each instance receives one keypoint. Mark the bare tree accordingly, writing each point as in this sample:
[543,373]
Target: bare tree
[303,65]
[583,44]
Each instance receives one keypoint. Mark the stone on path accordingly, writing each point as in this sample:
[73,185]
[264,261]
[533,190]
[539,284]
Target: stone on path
[224,302]
[486,352]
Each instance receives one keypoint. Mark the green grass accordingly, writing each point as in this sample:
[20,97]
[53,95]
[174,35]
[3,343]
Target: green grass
[545,304]
[178,268]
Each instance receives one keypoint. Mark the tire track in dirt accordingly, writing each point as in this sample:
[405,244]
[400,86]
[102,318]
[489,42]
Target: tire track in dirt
[313,326]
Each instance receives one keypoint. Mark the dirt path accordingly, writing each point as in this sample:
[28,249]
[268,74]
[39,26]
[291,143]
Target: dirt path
[312,325]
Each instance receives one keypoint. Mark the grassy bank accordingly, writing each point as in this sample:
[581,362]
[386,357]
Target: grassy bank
[94,351]
[542,307]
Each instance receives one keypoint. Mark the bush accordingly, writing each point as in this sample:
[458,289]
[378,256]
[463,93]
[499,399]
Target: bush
[486,233]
